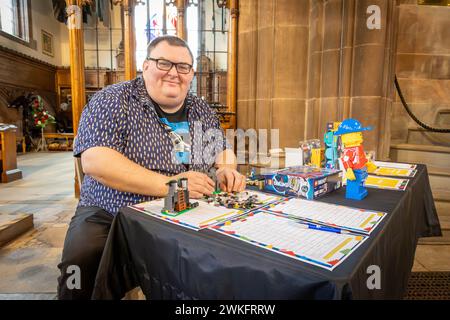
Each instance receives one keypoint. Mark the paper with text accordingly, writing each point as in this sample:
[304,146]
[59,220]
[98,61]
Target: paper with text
[346,218]
[291,238]
[386,183]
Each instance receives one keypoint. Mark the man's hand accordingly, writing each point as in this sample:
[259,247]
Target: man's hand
[371,167]
[199,184]
[350,175]
[230,180]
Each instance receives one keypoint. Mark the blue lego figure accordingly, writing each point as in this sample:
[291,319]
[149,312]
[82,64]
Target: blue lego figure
[354,159]
[332,146]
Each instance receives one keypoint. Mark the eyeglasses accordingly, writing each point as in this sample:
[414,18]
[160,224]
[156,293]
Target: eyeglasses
[166,65]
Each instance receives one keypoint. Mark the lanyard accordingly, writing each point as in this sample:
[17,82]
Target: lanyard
[177,141]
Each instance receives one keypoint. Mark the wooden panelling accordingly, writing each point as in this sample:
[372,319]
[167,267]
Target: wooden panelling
[18,70]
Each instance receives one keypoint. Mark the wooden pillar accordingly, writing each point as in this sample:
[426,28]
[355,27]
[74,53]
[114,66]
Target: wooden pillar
[129,39]
[77,81]
[232,61]
[76,45]
[181,22]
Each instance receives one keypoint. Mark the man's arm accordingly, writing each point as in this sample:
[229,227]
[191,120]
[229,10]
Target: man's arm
[116,171]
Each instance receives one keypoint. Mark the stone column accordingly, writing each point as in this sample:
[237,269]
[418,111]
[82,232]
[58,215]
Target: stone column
[232,61]
[303,63]
[351,64]
[272,67]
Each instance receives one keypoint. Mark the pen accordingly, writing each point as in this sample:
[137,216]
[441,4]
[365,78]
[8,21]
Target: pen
[323,228]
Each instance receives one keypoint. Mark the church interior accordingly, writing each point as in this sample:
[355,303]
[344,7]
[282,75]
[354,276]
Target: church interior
[287,67]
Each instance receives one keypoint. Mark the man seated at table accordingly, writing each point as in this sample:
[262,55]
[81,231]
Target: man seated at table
[133,138]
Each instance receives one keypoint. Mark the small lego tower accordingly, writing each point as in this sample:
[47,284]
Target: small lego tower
[212,174]
[177,199]
[353,158]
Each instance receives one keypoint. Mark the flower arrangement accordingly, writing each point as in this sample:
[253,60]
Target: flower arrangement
[40,115]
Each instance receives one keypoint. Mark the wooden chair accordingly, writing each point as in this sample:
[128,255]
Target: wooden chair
[79,170]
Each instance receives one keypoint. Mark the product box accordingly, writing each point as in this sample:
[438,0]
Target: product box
[303,181]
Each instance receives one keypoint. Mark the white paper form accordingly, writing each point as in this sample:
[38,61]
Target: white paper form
[380,182]
[397,165]
[197,218]
[291,238]
[346,218]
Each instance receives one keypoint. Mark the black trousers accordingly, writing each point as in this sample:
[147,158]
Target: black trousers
[83,248]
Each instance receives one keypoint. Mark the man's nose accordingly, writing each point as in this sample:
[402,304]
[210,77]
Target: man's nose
[173,71]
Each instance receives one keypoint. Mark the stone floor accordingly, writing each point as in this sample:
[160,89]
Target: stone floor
[28,264]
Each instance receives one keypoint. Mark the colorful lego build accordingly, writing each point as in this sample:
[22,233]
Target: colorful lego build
[332,146]
[234,200]
[177,199]
[353,158]
[313,153]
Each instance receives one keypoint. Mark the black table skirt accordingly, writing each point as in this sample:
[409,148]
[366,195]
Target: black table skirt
[171,262]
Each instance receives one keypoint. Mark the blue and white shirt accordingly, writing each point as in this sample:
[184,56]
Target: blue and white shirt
[122,117]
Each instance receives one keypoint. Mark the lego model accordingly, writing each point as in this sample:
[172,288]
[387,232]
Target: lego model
[234,200]
[353,158]
[177,199]
[212,174]
[313,153]
[332,146]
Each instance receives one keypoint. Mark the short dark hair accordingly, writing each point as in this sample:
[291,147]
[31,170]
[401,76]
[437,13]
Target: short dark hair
[172,40]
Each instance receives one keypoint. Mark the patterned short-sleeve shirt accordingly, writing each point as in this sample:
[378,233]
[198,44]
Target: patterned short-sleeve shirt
[122,117]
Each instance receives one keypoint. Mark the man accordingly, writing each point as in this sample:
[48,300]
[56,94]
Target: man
[133,138]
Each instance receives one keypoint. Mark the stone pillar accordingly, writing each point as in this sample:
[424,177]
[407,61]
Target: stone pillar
[232,61]
[351,67]
[272,67]
[423,72]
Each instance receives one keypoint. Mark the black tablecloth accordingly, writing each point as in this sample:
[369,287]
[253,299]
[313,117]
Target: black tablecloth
[171,262]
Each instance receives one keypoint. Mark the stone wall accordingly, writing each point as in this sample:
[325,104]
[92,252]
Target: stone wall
[303,63]
[273,67]
[423,71]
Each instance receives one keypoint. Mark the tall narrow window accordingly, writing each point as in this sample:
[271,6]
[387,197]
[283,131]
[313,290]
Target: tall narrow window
[207,35]
[150,24]
[14,18]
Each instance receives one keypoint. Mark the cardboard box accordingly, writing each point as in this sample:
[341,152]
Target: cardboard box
[303,181]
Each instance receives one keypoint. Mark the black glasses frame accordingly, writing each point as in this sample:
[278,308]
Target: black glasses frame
[171,65]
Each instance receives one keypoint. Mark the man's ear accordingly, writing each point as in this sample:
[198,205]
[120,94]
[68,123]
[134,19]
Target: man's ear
[145,65]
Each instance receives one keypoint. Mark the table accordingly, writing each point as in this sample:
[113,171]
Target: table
[171,262]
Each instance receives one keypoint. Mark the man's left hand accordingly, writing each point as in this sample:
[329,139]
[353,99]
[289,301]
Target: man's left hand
[230,180]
